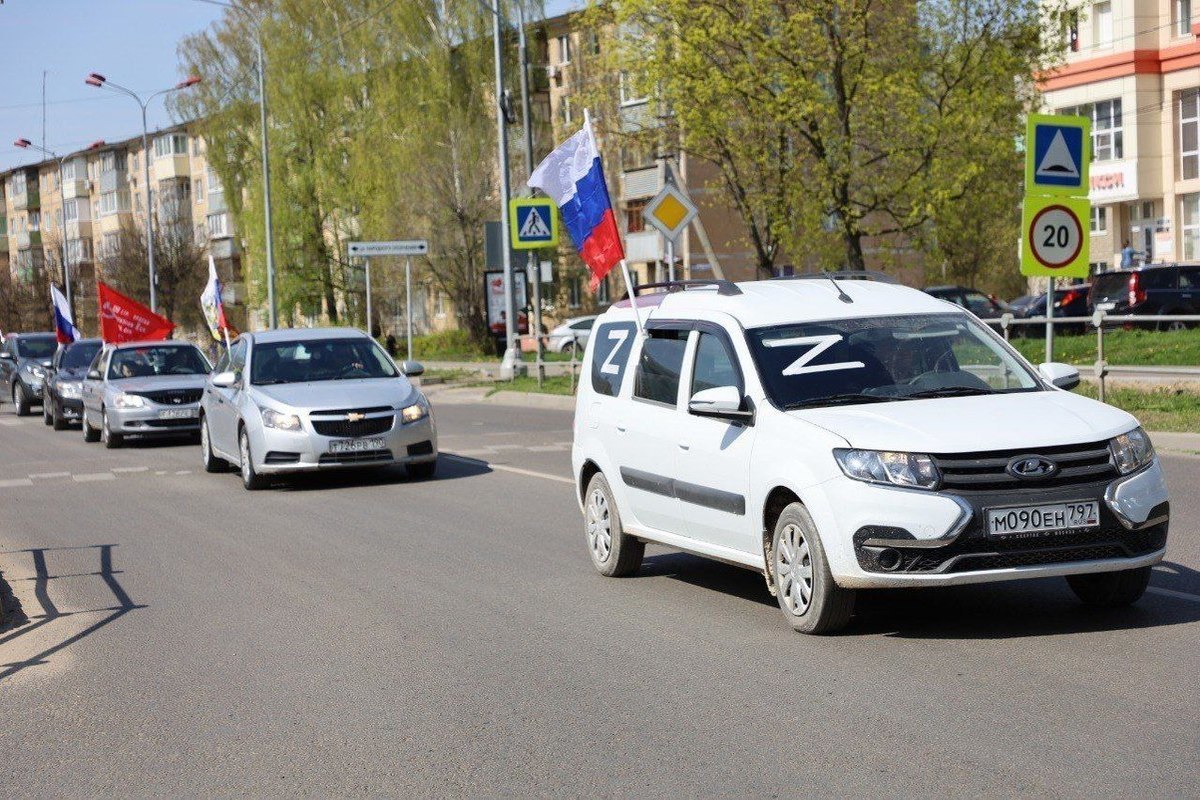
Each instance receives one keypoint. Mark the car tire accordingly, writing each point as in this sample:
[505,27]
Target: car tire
[614,553]
[250,478]
[212,462]
[1110,589]
[21,400]
[809,597]
[111,440]
[90,434]
[423,471]
[57,421]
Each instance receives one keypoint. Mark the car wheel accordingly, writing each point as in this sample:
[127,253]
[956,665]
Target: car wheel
[56,419]
[111,440]
[804,586]
[21,400]
[614,553]
[212,463]
[90,434]
[250,479]
[1110,589]
[423,471]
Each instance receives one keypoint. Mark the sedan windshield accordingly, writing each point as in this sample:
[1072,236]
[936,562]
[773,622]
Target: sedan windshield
[846,362]
[153,360]
[319,360]
[37,347]
[78,356]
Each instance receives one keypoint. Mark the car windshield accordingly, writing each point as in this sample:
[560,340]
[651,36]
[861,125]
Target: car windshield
[37,347]
[319,360]
[78,356]
[880,359]
[152,360]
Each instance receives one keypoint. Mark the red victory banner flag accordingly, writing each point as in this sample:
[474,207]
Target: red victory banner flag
[123,319]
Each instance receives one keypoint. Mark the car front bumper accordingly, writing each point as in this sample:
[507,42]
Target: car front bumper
[146,421]
[939,539]
[277,451]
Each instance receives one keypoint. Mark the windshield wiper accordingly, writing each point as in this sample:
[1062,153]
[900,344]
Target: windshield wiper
[840,400]
[952,391]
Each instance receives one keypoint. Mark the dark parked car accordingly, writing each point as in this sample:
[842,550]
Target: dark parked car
[1165,289]
[1069,301]
[62,401]
[24,358]
[981,305]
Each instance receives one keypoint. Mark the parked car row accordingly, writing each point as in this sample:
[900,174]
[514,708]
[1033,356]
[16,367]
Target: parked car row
[283,401]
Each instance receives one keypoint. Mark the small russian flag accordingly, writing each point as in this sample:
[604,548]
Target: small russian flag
[64,326]
[573,177]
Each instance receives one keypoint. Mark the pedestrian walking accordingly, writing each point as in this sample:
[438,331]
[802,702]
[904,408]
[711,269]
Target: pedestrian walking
[391,344]
[1128,254]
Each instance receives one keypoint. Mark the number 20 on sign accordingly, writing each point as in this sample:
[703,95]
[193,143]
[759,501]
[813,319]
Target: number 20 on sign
[1054,241]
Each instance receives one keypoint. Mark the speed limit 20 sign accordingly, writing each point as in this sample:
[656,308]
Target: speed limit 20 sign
[1055,241]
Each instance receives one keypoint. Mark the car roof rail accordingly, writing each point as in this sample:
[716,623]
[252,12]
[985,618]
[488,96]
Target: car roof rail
[723,287]
[840,275]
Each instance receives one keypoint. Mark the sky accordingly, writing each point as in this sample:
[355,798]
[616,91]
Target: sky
[132,42]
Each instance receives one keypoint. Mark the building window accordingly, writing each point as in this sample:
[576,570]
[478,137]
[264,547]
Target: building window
[630,90]
[110,244]
[1099,219]
[174,144]
[78,250]
[198,190]
[1071,31]
[1103,20]
[35,220]
[564,110]
[1191,226]
[1189,134]
[72,211]
[564,49]
[575,292]
[214,182]
[113,202]
[1183,17]
[18,183]
[218,225]
[635,220]
[59,218]
[196,145]
[1108,143]
[133,162]
[108,162]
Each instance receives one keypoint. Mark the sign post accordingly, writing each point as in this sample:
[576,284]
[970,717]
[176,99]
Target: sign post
[533,223]
[402,247]
[670,212]
[1054,241]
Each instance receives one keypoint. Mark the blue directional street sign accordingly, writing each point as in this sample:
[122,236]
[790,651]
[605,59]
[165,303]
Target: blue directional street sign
[533,223]
[1057,152]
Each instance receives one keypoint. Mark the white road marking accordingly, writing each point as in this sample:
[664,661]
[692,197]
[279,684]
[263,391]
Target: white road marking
[10,422]
[547,448]
[1195,598]
[15,482]
[183,472]
[160,472]
[130,469]
[48,475]
[515,470]
[89,477]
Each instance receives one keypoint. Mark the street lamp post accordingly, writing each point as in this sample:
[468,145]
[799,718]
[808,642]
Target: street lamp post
[268,230]
[25,144]
[101,82]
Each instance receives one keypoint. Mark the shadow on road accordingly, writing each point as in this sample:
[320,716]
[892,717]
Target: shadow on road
[450,467]
[28,623]
[1012,609]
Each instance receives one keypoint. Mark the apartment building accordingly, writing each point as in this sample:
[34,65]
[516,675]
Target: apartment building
[1133,68]
[76,215]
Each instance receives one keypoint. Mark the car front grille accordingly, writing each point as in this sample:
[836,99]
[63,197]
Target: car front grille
[367,457]
[172,397]
[190,422]
[986,471]
[346,428]
[341,412]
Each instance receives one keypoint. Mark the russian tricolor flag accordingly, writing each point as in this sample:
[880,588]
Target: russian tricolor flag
[573,177]
[64,326]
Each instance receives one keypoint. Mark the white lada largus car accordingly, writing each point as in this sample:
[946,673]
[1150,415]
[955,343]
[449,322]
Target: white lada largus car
[852,434]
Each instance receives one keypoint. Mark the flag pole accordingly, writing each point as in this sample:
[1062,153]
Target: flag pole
[637,316]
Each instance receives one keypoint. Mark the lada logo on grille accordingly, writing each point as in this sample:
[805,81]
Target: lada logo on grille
[354,416]
[1031,467]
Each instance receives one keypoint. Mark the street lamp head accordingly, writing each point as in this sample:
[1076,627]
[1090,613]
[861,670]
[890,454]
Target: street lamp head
[191,80]
[22,143]
[94,80]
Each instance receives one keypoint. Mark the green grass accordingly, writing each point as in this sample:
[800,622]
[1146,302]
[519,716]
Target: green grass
[1121,347]
[1159,409]
[457,346]
[556,384]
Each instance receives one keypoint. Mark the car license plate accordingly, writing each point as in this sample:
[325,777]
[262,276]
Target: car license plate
[1058,517]
[178,413]
[1106,306]
[355,445]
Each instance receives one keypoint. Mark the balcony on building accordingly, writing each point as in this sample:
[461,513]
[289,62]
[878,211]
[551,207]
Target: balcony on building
[171,157]
[25,240]
[75,181]
[24,190]
[114,175]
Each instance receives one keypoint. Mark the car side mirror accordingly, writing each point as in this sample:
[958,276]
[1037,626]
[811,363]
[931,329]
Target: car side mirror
[224,380]
[721,402]
[93,375]
[1064,376]
[412,369]
[6,356]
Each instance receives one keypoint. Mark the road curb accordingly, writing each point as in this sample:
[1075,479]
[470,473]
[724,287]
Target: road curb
[476,394]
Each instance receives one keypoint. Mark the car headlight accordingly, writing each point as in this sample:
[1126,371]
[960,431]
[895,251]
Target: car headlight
[1131,451]
[125,400]
[284,422]
[913,470]
[417,411]
[70,389]
[35,371]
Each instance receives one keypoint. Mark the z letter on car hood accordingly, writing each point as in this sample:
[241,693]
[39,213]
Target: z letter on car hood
[321,395]
[968,424]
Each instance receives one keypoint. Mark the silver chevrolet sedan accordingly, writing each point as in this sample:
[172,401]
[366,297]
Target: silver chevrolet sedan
[300,400]
[143,389]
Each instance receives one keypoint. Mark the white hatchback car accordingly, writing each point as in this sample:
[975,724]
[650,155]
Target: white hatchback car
[852,434]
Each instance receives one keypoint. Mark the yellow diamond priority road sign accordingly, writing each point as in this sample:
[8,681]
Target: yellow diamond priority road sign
[1054,241]
[670,211]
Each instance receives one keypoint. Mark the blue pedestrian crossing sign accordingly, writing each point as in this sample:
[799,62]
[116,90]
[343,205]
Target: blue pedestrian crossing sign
[533,223]
[1057,154]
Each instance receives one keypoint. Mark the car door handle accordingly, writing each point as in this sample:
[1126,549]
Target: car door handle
[685,446]
[620,428]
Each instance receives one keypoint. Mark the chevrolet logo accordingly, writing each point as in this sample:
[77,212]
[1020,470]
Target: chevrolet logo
[354,416]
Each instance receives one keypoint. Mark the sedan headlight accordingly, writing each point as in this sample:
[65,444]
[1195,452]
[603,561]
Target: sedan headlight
[284,422]
[125,400]
[72,390]
[913,470]
[35,371]
[417,411]
[1131,451]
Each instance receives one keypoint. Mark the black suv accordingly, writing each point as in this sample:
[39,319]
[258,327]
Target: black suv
[24,358]
[1166,289]
[62,402]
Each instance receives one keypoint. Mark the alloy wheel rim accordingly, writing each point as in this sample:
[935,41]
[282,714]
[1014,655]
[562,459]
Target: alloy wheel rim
[793,570]
[206,455]
[244,448]
[599,526]
[104,432]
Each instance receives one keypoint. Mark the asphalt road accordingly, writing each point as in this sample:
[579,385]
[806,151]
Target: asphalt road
[368,635]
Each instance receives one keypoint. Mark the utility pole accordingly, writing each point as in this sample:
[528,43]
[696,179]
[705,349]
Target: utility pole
[512,352]
[527,124]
